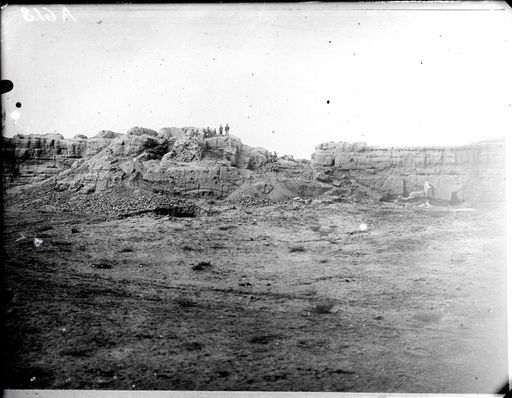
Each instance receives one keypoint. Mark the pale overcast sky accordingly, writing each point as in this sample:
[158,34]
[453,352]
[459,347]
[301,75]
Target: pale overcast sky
[285,77]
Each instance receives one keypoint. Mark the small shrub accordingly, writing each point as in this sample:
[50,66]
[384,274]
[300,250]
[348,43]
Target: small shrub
[126,250]
[315,228]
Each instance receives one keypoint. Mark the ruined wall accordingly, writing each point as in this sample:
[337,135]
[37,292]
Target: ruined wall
[178,160]
[36,157]
[473,173]
[184,160]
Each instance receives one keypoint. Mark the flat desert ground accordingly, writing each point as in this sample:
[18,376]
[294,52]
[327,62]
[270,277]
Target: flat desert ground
[285,297]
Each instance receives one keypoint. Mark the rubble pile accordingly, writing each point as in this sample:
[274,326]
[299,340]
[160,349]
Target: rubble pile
[251,201]
[112,203]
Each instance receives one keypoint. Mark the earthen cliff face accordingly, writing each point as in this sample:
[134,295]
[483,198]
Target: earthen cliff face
[185,162]
[472,173]
[31,158]
[180,161]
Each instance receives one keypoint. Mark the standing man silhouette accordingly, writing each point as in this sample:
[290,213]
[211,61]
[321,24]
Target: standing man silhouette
[220,129]
[227,129]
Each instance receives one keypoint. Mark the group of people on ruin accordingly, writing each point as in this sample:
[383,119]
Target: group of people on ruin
[211,133]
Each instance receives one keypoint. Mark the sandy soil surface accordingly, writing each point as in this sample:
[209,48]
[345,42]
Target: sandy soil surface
[289,297]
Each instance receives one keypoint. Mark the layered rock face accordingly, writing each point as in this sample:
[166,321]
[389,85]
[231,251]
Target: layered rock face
[472,173]
[185,162]
[31,158]
[178,161]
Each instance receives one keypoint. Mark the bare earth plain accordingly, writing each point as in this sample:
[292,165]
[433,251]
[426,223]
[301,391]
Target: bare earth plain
[295,298]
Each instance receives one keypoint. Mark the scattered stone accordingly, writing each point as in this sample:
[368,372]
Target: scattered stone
[296,248]
[251,201]
[324,307]
[201,265]
[102,265]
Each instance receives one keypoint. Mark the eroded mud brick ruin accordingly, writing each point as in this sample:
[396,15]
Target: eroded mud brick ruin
[470,173]
[183,162]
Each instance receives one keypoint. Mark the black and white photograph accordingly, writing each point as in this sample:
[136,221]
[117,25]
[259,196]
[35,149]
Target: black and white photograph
[255,198]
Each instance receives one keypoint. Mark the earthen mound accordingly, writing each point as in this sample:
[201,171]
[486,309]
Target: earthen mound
[267,189]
